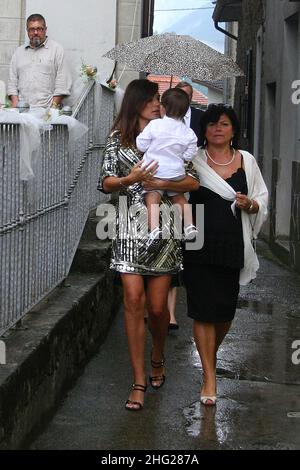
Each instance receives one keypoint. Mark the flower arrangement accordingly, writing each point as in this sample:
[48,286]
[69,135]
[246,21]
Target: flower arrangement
[47,116]
[88,72]
[113,83]
[6,103]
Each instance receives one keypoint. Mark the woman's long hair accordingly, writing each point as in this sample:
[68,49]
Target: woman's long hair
[137,94]
[213,114]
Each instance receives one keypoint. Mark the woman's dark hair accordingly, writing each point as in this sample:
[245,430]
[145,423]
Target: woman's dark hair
[213,114]
[176,103]
[137,94]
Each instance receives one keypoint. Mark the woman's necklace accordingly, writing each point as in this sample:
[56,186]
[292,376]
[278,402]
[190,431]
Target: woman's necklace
[220,164]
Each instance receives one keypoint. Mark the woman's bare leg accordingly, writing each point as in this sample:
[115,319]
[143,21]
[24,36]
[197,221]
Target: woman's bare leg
[134,304]
[221,331]
[158,318]
[208,338]
[205,339]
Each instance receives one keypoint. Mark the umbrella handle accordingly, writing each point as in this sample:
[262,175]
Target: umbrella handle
[171,81]
[112,74]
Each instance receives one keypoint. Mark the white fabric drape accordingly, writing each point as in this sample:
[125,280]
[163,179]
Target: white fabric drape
[30,139]
[32,125]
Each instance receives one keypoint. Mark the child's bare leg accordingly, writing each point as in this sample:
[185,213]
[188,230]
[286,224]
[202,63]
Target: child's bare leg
[153,199]
[186,208]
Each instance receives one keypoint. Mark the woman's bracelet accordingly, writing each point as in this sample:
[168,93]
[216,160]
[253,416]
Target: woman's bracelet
[122,185]
[251,206]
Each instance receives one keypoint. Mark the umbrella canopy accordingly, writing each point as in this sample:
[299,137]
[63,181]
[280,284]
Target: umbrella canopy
[174,54]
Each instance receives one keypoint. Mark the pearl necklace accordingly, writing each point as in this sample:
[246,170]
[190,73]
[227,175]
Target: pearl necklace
[220,164]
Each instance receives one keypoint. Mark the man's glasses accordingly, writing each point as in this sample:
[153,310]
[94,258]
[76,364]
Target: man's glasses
[39,29]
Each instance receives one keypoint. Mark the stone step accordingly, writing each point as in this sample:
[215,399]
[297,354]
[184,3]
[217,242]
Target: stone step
[90,229]
[56,339]
[93,254]
[91,257]
[89,232]
[44,357]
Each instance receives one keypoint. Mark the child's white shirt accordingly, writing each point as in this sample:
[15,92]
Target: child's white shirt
[169,142]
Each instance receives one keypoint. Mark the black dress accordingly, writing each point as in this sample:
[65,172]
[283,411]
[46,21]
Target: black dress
[211,274]
[129,252]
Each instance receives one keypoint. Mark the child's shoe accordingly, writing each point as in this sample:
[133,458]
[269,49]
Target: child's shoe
[154,239]
[190,233]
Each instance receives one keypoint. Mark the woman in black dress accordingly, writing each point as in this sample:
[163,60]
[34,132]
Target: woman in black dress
[234,196]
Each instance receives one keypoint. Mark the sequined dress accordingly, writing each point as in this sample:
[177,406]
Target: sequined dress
[129,254]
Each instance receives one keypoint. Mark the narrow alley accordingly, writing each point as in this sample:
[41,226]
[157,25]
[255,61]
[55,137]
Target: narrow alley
[258,403]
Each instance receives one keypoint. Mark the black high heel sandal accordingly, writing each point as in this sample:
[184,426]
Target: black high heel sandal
[157,378]
[139,406]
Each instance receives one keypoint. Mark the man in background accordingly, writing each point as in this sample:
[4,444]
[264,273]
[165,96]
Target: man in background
[38,73]
[193,115]
[192,120]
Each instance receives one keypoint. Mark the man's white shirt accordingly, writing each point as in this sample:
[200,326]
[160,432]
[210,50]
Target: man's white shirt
[187,117]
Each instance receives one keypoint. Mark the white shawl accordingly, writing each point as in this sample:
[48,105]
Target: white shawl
[251,223]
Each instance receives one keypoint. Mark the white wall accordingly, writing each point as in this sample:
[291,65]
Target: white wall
[11,32]
[129,28]
[214,96]
[85,29]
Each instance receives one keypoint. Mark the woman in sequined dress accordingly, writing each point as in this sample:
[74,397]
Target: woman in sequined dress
[146,277]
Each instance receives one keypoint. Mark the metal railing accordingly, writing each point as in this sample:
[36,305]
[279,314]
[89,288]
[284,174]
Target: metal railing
[41,220]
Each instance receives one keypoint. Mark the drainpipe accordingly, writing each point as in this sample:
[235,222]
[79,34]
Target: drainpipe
[147,18]
[147,22]
[232,36]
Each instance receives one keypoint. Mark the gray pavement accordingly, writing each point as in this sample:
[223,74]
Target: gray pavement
[258,385]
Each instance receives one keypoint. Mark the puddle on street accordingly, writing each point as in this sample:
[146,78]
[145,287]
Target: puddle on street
[212,424]
[293,414]
[258,307]
[202,423]
[264,308]
[272,352]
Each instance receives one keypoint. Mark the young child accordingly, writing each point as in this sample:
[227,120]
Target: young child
[169,142]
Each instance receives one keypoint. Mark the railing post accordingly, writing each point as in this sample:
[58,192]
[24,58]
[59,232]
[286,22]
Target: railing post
[41,220]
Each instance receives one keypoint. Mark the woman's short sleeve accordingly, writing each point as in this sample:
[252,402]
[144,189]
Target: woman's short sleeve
[110,164]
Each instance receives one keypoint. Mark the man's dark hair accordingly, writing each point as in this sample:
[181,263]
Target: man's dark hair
[35,17]
[213,114]
[176,103]
[183,85]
